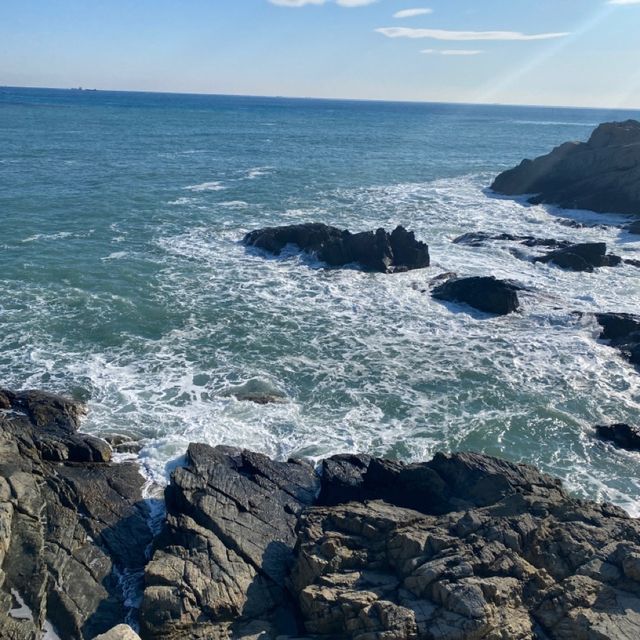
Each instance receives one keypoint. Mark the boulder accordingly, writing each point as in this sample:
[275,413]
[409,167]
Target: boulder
[622,330]
[602,174]
[121,632]
[581,257]
[486,293]
[71,525]
[231,529]
[623,435]
[372,251]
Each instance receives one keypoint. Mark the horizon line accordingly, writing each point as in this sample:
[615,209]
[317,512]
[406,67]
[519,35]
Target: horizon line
[321,98]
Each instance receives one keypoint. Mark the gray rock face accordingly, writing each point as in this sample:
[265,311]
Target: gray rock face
[70,524]
[121,632]
[372,251]
[465,547]
[602,174]
[224,559]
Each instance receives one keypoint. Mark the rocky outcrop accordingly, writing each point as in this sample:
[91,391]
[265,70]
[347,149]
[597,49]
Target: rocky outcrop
[71,525]
[623,435]
[622,331]
[462,547]
[121,632]
[231,530]
[602,174]
[478,238]
[581,257]
[372,251]
[485,293]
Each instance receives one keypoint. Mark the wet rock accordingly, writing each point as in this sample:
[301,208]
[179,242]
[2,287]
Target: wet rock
[256,390]
[634,227]
[622,330]
[70,524]
[478,238]
[623,435]
[372,251]
[486,294]
[231,528]
[602,174]
[581,257]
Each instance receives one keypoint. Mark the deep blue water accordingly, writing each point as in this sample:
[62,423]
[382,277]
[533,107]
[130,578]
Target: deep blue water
[123,282]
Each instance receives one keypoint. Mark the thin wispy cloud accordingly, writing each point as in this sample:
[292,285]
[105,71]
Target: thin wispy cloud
[412,13]
[623,2]
[453,52]
[304,3]
[467,36]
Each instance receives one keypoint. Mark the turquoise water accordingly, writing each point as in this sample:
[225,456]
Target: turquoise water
[123,282]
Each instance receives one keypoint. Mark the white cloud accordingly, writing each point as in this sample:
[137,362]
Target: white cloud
[411,13]
[453,52]
[442,34]
[623,2]
[304,3]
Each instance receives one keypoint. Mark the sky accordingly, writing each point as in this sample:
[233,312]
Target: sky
[556,52]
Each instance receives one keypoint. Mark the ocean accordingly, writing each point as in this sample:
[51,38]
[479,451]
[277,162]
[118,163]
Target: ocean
[123,281]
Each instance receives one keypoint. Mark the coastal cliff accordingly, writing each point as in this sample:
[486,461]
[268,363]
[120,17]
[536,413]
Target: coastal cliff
[465,546]
[602,174]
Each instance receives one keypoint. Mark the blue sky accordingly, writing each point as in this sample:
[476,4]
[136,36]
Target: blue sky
[556,52]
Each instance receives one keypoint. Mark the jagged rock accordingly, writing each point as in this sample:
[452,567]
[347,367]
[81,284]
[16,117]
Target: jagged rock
[581,257]
[232,518]
[372,251]
[487,294]
[121,632]
[602,174]
[70,524]
[478,238]
[622,330]
[623,435]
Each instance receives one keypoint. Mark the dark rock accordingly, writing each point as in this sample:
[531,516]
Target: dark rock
[484,293]
[622,330]
[634,227]
[633,263]
[70,524]
[581,257]
[231,527]
[477,238]
[623,435]
[602,174]
[372,251]
[256,390]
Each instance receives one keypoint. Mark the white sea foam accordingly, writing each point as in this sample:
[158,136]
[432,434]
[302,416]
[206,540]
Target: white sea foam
[368,362]
[206,186]
[258,172]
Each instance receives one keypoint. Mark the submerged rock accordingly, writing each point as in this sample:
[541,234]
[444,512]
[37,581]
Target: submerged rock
[70,524]
[582,257]
[485,293]
[256,390]
[602,174]
[372,251]
[622,330]
[623,435]
[478,238]
[634,227]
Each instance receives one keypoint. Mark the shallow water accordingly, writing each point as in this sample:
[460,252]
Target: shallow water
[123,282]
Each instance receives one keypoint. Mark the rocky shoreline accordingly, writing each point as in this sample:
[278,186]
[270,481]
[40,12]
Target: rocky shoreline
[465,546]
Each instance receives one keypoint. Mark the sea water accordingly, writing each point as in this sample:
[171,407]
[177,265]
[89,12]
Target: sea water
[123,281]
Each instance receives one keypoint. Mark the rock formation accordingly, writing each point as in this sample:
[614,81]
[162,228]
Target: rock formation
[622,330]
[372,251]
[71,525]
[602,174]
[581,257]
[623,435]
[463,547]
[485,293]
